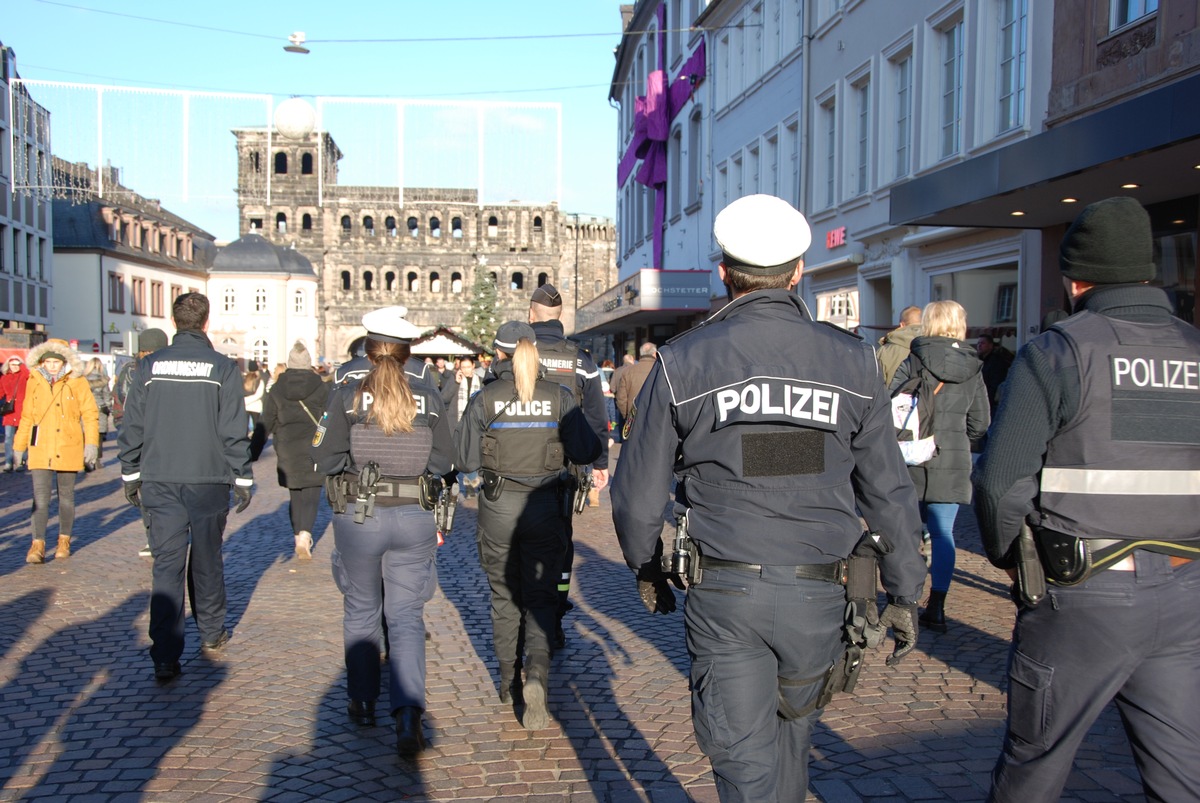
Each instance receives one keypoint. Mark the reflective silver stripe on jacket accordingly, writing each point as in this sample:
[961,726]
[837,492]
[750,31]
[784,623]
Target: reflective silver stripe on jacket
[1120,482]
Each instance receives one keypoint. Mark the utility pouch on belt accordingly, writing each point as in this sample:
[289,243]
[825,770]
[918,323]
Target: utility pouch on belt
[684,559]
[430,487]
[364,504]
[1031,576]
[335,493]
[1066,558]
[493,485]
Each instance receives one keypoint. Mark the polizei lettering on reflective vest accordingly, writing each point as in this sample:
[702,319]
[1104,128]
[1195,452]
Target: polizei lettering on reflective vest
[778,401]
[368,399]
[183,368]
[1143,372]
[520,409]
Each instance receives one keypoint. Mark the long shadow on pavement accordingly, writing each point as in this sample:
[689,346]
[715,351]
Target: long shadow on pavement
[72,727]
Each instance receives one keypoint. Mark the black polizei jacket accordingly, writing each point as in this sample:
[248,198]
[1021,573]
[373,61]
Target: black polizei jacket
[779,431]
[961,415]
[185,417]
[590,386]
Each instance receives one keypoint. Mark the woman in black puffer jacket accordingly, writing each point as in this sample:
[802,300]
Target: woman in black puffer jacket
[961,415]
[291,410]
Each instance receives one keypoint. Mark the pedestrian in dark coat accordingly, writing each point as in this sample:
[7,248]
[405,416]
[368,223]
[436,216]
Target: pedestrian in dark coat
[961,415]
[291,410]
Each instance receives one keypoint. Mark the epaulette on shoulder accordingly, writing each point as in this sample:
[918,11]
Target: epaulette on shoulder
[840,330]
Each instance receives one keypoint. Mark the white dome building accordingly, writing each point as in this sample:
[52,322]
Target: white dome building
[263,299]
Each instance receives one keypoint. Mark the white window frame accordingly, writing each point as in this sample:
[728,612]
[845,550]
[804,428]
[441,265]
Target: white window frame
[1129,12]
[897,112]
[951,75]
[860,142]
[1013,75]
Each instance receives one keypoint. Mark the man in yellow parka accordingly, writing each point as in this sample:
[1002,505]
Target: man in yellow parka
[60,432]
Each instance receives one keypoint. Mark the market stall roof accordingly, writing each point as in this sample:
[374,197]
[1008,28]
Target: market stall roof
[442,341]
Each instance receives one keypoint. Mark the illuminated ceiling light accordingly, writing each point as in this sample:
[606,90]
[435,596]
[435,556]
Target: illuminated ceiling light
[1070,200]
[1017,213]
[1130,186]
[297,43]
[1178,222]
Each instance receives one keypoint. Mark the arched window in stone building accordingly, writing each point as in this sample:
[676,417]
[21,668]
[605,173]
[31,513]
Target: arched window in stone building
[456,228]
[516,281]
[255,164]
[298,301]
[261,352]
[260,299]
[389,281]
[306,222]
[368,281]
[412,226]
[369,226]
[493,226]
[230,300]
[281,163]
[255,225]
[306,164]
[495,279]
[390,224]
[435,227]
[542,279]
[456,283]
[281,223]
[345,280]
[435,283]
[413,282]
[345,225]
[537,224]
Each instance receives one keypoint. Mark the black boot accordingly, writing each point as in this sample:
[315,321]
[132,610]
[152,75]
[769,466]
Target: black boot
[410,740]
[537,715]
[361,712]
[934,615]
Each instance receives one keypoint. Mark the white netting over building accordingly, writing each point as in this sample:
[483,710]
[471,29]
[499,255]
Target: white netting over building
[177,146]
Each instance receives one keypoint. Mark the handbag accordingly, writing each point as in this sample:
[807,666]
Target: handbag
[7,405]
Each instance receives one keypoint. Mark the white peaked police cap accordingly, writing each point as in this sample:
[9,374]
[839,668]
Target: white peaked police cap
[761,234]
[390,326]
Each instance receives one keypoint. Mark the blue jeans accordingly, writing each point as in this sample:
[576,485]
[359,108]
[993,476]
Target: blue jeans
[10,432]
[939,518]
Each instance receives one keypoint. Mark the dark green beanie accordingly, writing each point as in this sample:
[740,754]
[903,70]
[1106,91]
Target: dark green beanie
[1109,243]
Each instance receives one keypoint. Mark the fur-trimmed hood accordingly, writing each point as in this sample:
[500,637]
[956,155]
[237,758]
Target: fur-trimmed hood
[74,361]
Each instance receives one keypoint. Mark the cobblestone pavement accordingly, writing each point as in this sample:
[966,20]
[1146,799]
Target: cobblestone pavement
[82,719]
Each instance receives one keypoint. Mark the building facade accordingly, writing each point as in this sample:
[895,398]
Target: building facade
[829,105]
[422,248]
[1120,118]
[26,215]
[120,260]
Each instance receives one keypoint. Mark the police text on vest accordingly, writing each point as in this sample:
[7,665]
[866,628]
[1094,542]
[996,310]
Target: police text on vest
[1156,373]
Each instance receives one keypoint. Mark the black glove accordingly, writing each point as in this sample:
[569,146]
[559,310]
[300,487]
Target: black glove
[902,619]
[655,590]
[242,494]
[133,492]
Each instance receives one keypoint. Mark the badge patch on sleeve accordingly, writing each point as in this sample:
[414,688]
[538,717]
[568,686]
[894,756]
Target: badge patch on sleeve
[319,435]
[628,426]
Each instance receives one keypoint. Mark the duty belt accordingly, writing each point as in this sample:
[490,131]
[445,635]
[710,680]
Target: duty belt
[826,572]
[386,487]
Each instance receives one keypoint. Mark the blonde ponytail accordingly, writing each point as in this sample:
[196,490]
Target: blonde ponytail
[525,369]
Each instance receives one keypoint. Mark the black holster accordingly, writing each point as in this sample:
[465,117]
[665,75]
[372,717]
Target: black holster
[335,492]
[493,485]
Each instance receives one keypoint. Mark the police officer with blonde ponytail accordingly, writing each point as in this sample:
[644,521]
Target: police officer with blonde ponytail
[520,431]
[381,440]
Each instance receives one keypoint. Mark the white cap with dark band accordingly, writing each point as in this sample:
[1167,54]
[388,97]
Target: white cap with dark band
[388,325]
[762,235]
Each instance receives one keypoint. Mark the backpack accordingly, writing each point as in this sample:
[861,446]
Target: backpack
[913,411]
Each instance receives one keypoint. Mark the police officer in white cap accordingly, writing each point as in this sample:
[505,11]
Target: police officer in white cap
[415,369]
[778,430]
[379,440]
[519,431]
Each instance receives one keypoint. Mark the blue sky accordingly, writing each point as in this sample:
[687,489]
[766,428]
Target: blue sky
[237,47]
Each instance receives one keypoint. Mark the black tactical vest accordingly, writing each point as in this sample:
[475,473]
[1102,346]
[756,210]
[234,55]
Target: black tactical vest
[1128,465]
[521,439]
[559,362]
[404,454]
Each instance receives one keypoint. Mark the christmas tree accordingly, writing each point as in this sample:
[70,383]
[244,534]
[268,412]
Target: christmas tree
[479,324]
